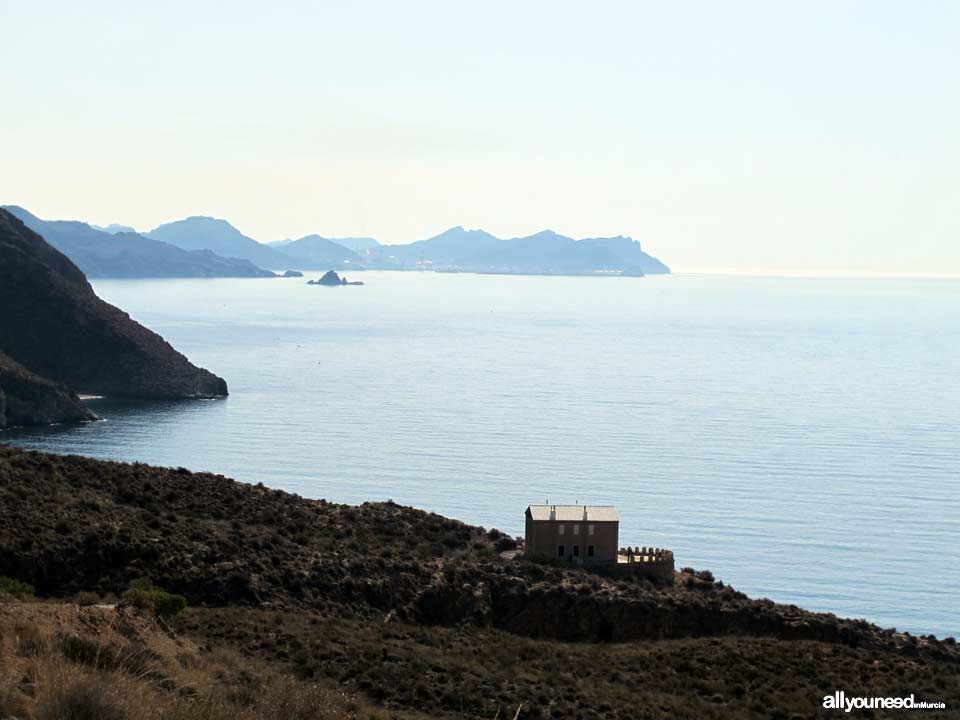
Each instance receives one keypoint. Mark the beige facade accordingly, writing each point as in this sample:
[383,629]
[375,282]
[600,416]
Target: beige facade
[580,534]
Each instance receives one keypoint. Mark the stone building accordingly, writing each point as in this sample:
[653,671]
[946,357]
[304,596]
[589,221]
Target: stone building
[580,534]
[590,535]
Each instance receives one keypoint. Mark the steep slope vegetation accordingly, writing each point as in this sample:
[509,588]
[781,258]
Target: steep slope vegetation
[54,325]
[420,612]
[27,399]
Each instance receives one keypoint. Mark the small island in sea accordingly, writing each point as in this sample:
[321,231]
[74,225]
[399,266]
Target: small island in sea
[331,279]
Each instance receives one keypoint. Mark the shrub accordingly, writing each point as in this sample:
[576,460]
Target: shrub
[141,584]
[144,595]
[88,598]
[15,587]
[705,575]
[29,641]
[83,699]
[167,604]
[139,598]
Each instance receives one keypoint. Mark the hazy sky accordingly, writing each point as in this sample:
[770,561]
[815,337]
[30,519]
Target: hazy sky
[776,134]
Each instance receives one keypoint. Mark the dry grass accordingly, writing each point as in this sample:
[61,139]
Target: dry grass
[65,662]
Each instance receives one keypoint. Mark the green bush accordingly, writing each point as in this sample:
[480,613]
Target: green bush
[144,595]
[15,587]
[141,584]
[167,604]
[139,598]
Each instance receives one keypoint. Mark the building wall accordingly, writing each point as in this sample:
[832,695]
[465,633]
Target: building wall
[543,539]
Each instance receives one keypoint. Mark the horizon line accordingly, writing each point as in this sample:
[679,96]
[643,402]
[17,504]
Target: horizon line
[799,272]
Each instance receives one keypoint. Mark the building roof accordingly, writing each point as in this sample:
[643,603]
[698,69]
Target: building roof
[574,513]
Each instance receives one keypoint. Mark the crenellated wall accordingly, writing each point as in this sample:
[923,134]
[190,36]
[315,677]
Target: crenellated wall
[650,562]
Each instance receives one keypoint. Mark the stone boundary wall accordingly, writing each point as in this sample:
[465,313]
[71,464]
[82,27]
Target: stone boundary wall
[650,562]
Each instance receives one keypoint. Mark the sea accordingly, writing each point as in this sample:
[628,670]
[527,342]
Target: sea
[798,436]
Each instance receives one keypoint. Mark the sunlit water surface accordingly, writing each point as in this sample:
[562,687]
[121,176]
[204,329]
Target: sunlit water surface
[799,437]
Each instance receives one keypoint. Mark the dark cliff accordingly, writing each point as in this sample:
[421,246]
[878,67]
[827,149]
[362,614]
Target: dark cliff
[54,324]
[27,399]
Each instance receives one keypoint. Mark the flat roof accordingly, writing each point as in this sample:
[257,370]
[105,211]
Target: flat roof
[574,513]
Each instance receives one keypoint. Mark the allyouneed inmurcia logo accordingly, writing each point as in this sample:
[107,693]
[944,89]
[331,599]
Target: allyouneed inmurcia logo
[840,701]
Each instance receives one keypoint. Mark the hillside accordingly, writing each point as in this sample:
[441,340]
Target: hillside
[420,613]
[63,661]
[451,247]
[117,252]
[54,325]
[543,253]
[317,253]
[219,236]
[28,399]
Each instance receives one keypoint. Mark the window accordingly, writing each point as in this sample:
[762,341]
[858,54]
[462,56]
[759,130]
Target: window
[576,551]
[576,529]
[560,552]
[590,529]
[589,550]
[560,529]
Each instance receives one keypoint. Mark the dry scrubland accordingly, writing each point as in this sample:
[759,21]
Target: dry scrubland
[380,610]
[66,662]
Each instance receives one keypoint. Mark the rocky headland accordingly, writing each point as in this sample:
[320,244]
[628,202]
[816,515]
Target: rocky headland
[55,328]
[28,399]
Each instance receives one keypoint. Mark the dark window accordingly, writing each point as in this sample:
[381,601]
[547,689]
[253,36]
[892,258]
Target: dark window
[589,550]
[576,551]
[560,552]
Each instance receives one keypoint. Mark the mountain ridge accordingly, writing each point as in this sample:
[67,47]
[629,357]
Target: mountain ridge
[456,249]
[313,252]
[202,232]
[121,254]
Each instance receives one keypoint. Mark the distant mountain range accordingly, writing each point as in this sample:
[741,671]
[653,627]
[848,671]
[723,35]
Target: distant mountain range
[210,247]
[219,236]
[545,253]
[121,254]
[455,250]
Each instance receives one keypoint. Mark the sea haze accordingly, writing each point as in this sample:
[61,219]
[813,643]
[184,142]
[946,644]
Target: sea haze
[799,437]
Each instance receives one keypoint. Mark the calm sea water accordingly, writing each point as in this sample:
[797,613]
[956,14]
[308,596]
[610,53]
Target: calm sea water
[799,437]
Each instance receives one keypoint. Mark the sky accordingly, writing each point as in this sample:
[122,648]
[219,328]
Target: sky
[807,135]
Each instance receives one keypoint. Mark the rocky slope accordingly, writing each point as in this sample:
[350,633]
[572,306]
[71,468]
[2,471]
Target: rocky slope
[54,325]
[378,596]
[27,399]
